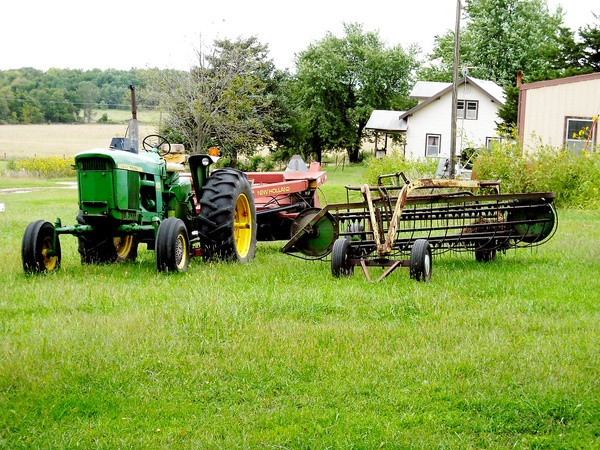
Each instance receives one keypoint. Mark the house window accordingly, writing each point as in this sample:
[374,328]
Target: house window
[492,142]
[467,109]
[432,146]
[580,134]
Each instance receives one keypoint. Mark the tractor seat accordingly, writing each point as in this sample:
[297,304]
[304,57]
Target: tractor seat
[176,158]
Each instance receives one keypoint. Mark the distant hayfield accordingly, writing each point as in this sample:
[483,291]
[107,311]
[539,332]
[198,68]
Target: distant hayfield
[22,141]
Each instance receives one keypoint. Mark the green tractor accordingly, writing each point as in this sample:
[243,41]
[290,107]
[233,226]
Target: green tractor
[128,198]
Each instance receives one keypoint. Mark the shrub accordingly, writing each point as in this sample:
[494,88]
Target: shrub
[256,163]
[573,177]
[45,167]
[505,163]
[412,169]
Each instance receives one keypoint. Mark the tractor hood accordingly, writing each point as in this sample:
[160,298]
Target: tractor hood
[117,159]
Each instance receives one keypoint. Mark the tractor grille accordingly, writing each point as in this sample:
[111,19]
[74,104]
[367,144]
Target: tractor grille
[94,164]
[133,190]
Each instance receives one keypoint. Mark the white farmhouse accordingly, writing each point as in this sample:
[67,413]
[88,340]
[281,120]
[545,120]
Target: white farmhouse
[427,127]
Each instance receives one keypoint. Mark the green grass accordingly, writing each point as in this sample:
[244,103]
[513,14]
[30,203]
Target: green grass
[278,354]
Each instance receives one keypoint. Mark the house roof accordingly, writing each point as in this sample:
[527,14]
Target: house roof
[426,89]
[389,121]
[559,81]
[494,91]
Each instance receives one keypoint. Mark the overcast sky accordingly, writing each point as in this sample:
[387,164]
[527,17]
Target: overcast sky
[122,34]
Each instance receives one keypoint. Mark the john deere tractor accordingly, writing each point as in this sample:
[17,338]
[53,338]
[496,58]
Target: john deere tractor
[177,208]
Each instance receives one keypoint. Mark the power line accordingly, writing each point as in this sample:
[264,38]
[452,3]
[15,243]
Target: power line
[47,102]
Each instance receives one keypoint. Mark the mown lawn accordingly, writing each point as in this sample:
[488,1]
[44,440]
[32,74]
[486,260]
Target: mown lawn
[278,354]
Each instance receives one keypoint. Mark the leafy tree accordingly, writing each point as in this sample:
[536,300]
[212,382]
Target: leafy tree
[564,59]
[511,35]
[30,113]
[442,58]
[340,81]
[6,98]
[287,128]
[56,105]
[590,46]
[223,101]
[88,94]
[571,56]
[58,95]
[499,38]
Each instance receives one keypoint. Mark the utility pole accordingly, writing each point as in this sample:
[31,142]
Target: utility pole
[454,128]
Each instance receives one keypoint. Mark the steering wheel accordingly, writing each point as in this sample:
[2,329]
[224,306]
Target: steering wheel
[156,141]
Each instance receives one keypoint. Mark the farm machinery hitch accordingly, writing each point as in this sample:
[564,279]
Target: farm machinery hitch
[280,197]
[395,225]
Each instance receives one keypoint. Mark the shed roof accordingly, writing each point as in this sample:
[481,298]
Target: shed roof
[560,81]
[389,121]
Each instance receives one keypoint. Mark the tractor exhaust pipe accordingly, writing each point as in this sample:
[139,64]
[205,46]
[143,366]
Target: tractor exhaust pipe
[134,129]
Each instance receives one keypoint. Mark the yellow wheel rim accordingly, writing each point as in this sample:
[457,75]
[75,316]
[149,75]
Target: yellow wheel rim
[181,252]
[49,261]
[242,232]
[123,245]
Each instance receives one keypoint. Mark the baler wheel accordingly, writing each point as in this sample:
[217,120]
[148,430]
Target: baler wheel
[420,260]
[534,232]
[486,252]
[318,239]
[37,253]
[227,221]
[339,258]
[172,246]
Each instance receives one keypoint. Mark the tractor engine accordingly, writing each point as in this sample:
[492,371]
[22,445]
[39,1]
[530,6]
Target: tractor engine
[121,187]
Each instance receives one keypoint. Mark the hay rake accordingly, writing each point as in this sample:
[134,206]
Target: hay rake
[404,223]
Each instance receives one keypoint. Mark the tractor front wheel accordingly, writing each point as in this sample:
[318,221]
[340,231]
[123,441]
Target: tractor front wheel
[40,252]
[172,246]
[420,260]
[227,221]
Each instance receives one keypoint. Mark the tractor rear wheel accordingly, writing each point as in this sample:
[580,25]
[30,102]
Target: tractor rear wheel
[227,221]
[97,248]
[172,246]
[339,258]
[126,247]
[420,260]
[37,252]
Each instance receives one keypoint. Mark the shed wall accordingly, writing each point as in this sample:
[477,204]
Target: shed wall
[547,107]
